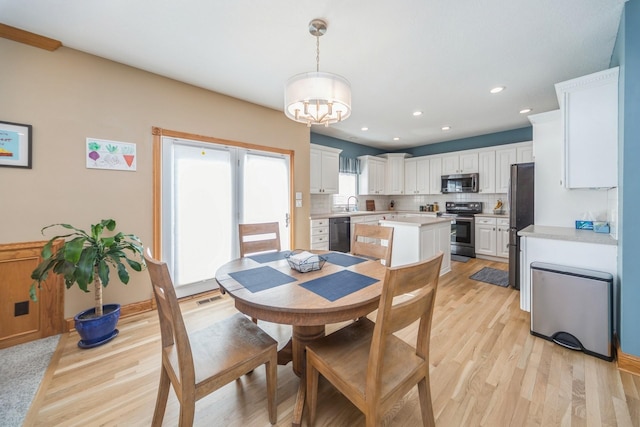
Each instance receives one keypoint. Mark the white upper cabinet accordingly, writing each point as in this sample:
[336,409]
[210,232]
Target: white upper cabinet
[504,159]
[589,110]
[324,166]
[372,175]
[524,152]
[416,175]
[487,171]
[394,173]
[435,175]
[461,162]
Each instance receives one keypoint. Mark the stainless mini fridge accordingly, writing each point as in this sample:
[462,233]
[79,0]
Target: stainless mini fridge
[573,308]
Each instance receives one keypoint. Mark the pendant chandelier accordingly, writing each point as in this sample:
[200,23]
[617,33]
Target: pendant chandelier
[317,98]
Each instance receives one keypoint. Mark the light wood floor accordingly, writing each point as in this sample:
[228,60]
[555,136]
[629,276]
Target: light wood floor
[487,370]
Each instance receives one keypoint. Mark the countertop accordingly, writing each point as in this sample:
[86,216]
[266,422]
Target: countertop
[416,221]
[492,215]
[360,213]
[568,234]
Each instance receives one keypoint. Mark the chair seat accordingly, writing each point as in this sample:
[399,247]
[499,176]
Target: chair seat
[213,360]
[346,351]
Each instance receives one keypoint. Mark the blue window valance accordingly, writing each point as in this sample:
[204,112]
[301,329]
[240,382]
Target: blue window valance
[349,165]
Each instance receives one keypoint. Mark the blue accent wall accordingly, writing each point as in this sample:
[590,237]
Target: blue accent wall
[626,55]
[351,149]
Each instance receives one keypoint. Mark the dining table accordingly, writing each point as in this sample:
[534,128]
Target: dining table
[267,287]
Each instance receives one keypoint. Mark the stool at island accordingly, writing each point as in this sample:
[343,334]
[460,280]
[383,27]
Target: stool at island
[573,308]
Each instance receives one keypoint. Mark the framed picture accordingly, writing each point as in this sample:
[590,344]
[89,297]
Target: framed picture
[15,145]
[113,155]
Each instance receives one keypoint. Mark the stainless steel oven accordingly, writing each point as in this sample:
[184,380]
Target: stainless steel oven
[463,239]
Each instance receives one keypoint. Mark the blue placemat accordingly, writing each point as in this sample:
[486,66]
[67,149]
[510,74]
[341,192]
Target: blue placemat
[338,285]
[261,278]
[343,260]
[269,257]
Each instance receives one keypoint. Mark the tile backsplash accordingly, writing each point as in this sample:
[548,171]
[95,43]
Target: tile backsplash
[323,203]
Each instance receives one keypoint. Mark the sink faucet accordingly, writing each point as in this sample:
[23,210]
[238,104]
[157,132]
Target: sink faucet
[349,201]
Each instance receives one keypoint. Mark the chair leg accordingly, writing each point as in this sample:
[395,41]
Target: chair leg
[312,391]
[272,387]
[161,400]
[426,406]
[187,413]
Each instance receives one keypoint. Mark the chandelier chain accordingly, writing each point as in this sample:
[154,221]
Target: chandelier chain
[318,53]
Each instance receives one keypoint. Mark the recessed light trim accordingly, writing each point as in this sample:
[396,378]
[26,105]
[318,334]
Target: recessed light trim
[396,138]
[364,128]
[417,113]
[526,110]
[497,89]
[446,128]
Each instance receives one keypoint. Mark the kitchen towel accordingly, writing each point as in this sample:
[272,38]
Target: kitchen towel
[492,275]
[338,285]
[343,260]
[261,278]
[269,257]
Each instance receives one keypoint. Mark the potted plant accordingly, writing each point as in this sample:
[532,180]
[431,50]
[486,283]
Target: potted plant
[86,258]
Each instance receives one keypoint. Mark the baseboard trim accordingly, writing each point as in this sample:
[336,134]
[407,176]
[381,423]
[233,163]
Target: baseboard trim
[627,362]
[125,311]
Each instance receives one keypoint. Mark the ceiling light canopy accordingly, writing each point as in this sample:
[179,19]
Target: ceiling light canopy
[317,98]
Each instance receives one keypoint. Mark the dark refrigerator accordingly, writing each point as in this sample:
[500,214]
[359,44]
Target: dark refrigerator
[520,214]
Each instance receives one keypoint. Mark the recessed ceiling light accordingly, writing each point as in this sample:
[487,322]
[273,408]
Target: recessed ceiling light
[525,110]
[497,89]
[396,138]
[445,128]
[364,128]
[417,113]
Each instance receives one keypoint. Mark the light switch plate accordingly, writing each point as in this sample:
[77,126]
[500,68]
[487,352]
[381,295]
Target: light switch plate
[298,203]
[298,196]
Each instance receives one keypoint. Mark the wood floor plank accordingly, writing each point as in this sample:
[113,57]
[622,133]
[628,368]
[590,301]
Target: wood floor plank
[486,370]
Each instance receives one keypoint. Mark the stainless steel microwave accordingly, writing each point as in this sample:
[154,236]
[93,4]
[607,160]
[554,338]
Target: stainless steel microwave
[460,183]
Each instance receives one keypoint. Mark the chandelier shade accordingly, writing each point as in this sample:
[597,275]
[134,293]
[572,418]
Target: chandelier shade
[317,98]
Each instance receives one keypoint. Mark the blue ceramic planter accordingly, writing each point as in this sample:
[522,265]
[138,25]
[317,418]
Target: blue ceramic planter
[95,331]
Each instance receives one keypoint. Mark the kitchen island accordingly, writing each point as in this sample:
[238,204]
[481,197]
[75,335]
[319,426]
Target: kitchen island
[417,238]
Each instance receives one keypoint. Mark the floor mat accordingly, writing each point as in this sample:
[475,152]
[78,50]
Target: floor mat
[492,275]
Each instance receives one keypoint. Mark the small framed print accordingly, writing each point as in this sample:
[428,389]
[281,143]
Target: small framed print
[113,155]
[15,145]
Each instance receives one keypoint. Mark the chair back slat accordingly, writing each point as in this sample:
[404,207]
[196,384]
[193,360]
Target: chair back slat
[261,237]
[408,294]
[172,327]
[372,241]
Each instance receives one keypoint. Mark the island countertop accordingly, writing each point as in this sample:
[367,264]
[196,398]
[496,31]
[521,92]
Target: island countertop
[568,234]
[415,221]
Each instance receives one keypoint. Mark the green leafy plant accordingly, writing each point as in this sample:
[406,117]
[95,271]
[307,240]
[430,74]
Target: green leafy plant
[86,258]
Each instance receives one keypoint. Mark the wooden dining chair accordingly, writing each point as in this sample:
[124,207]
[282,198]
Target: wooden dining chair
[260,237]
[367,363]
[369,240]
[200,362]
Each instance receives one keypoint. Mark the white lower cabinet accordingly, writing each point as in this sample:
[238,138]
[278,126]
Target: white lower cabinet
[492,236]
[502,237]
[320,234]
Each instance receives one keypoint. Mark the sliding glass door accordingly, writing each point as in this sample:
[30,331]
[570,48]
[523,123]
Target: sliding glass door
[207,189]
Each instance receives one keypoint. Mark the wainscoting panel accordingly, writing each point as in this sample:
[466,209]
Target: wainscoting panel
[21,319]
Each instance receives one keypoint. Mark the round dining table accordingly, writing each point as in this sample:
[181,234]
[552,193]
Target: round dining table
[293,304]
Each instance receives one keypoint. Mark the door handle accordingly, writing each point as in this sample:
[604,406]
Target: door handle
[286,220]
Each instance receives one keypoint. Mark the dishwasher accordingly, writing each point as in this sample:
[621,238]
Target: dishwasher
[340,234]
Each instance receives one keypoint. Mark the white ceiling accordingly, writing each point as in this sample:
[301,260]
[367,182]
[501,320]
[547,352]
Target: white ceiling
[437,56]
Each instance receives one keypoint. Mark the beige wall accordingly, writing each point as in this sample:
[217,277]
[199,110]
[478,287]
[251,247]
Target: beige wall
[68,96]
